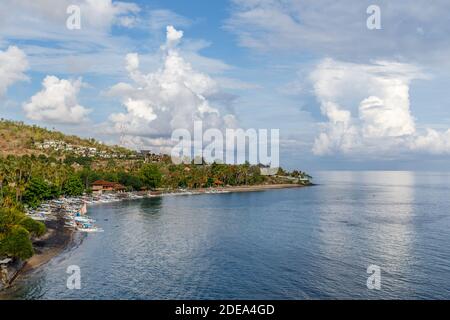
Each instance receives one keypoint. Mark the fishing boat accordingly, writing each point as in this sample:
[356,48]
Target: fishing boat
[93,229]
[70,224]
[87,227]
[37,217]
[83,209]
[83,219]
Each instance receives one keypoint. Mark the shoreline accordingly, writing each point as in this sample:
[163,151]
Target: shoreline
[227,189]
[260,187]
[51,244]
[58,238]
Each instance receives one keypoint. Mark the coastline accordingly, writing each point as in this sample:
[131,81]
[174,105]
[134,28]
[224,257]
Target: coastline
[51,244]
[262,187]
[232,189]
[58,238]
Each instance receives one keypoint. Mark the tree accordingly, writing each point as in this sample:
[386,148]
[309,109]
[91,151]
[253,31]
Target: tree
[150,175]
[130,180]
[88,176]
[34,227]
[17,243]
[36,191]
[73,186]
[281,172]
[4,168]
[15,231]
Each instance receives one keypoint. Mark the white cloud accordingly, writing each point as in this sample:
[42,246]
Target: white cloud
[433,142]
[416,31]
[172,97]
[23,18]
[173,37]
[368,110]
[57,102]
[13,64]
[50,45]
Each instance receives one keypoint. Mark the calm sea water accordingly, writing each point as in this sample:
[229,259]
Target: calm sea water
[307,243]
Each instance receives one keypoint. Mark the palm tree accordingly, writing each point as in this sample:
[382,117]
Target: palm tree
[3,174]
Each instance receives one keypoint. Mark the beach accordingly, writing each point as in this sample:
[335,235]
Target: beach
[227,189]
[55,240]
[260,187]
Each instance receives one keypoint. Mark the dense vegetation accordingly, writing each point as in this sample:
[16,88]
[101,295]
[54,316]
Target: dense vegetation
[29,179]
[15,232]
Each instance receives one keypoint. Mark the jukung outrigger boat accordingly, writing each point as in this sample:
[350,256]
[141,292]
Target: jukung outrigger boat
[78,220]
[87,227]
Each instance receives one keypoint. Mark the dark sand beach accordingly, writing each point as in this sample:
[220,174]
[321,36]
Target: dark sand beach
[49,245]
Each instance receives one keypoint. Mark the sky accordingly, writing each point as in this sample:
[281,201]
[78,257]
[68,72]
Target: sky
[344,95]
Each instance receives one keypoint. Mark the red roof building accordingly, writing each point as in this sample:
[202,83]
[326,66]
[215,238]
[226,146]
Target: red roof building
[101,186]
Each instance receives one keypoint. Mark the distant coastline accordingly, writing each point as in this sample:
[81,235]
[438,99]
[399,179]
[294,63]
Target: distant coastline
[243,188]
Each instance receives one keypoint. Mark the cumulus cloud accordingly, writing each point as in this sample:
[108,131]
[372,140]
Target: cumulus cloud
[172,97]
[368,109]
[13,64]
[57,102]
[433,142]
[173,37]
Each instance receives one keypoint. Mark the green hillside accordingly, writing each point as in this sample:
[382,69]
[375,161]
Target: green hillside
[17,138]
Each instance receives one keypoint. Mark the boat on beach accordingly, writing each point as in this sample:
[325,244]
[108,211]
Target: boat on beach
[87,227]
[83,220]
[74,209]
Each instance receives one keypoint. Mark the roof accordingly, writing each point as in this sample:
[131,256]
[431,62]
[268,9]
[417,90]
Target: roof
[103,183]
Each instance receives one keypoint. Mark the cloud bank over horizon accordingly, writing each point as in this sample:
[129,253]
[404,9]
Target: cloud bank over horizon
[368,110]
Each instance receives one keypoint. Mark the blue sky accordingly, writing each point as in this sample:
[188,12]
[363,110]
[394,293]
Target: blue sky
[342,95]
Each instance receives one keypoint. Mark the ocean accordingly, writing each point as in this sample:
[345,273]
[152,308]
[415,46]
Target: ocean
[304,243]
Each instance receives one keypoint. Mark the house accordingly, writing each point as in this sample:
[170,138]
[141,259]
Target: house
[148,156]
[145,153]
[100,186]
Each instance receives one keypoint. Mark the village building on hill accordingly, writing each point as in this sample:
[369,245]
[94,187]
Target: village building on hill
[149,156]
[82,151]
